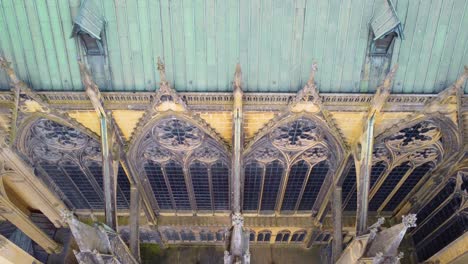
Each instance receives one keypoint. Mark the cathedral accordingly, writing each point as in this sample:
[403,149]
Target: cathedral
[235,132]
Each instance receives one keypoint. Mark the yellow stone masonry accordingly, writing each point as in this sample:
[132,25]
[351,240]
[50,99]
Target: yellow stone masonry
[221,122]
[89,119]
[127,121]
[254,121]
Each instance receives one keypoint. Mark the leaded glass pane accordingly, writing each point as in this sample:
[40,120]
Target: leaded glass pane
[296,179]
[65,185]
[407,186]
[156,180]
[81,181]
[273,175]
[438,199]
[376,172]
[388,185]
[176,178]
[313,186]
[201,185]
[252,185]
[220,180]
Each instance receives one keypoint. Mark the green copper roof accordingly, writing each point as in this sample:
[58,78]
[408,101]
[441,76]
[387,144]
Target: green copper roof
[275,42]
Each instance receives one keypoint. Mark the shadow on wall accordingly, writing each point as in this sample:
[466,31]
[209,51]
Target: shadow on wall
[152,253]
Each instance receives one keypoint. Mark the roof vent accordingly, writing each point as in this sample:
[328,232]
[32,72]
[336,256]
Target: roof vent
[385,20]
[89,19]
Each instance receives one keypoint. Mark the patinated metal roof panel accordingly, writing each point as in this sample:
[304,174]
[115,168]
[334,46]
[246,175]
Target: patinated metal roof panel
[201,41]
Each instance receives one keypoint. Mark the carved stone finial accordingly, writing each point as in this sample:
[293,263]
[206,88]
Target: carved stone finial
[461,80]
[314,69]
[237,219]
[238,76]
[400,255]
[162,71]
[6,65]
[409,220]
[379,223]
[378,258]
[308,98]
[66,215]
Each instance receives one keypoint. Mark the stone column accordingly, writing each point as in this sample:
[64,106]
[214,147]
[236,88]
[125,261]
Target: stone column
[135,222]
[337,224]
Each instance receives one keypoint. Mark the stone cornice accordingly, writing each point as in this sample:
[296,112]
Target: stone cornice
[223,101]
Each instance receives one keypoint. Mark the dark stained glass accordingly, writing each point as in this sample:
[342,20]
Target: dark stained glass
[252,185]
[273,175]
[376,172]
[252,236]
[123,197]
[123,186]
[296,179]
[156,180]
[438,199]
[442,238]
[313,186]
[83,184]
[65,185]
[220,180]
[436,220]
[388,185]
[407,186]
[349,183]
[175,176]
[201,185]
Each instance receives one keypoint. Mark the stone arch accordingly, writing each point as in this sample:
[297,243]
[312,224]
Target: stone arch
[177,138]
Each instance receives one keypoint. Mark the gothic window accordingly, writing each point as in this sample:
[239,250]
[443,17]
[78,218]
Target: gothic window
[435,202]
[201,186]
[185,165]
[451,231]
[407,186]
[297,176]
[75,173]
[65,185]
[220,179]
[376,172]
[388,185]
[264,236]
[156,179]
[273,175]
[437,220]
[172,235]
[175,176]
[187,235]
[282,237]
[298,236]
[252,236]
[220,235]
[252,186]
[313,185]
[123,186]
[206,235]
